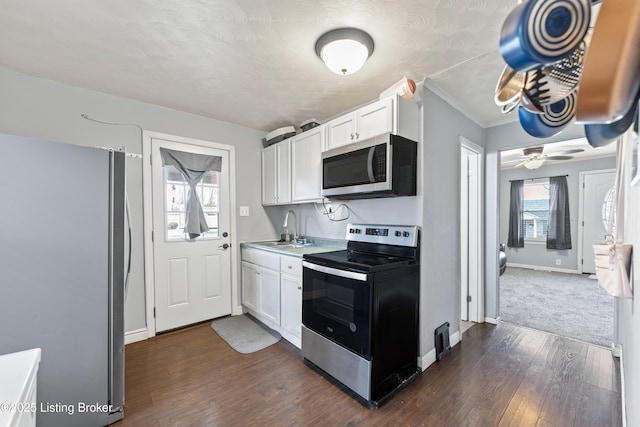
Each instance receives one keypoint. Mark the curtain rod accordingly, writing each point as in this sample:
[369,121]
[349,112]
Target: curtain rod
[540,177]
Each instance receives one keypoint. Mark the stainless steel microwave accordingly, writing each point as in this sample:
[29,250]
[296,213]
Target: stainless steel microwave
[384,166]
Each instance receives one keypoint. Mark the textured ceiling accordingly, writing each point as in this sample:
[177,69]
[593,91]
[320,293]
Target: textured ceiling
[252,62]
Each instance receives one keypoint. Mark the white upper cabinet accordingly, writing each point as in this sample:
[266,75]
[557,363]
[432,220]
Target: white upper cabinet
[389,115]
[276,173]
[306,165]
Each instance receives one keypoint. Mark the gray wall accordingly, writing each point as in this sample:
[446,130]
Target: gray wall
[536,254]
[440,257]
[40,108]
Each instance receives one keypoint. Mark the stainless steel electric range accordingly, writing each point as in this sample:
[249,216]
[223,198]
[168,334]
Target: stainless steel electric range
[360,311]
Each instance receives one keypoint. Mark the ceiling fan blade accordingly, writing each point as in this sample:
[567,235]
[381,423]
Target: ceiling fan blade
[572,151]
[521,163]
[559,157]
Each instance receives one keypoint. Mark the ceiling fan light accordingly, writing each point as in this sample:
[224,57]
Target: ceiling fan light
[533,164]
[345,50]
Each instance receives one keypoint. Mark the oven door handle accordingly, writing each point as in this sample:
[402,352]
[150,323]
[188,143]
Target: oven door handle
[362,277]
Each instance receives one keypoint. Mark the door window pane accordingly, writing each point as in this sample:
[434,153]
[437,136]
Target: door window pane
[176,194]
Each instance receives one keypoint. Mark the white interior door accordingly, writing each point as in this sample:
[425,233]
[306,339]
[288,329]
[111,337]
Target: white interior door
[471,238]
[192,276]
[597,186]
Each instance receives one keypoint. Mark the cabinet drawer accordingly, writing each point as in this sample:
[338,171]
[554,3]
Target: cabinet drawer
[262,258]
[291,265]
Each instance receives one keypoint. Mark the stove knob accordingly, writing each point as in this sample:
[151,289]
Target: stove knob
[398,233]
[352,230]
[405,234]
[358,231]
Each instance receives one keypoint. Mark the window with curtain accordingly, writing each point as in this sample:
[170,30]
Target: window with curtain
[539,212]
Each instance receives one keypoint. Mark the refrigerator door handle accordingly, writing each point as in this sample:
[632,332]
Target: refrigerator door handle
[130,244]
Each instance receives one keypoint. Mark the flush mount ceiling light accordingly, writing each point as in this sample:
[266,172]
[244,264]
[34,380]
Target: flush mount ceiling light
[344,50]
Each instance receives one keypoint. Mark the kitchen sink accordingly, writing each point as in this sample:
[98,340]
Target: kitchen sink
[285,244]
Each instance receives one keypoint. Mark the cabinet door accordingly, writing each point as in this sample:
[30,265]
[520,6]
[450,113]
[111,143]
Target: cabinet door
[341,131]
[374,119]
[269,176]
[270,294]
[291,288]
[306,165]
[283,172]
[250,286]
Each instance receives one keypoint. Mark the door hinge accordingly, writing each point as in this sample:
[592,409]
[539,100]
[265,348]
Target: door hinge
[154,312]
[468,298]
[150,159]
[152,235]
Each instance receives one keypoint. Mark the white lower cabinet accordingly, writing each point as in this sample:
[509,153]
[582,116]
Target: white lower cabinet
[291,298]
[272,291]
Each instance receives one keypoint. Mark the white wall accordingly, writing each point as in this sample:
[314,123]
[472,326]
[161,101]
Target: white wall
[630,312]
[537,254]
[396,210]
[40,108]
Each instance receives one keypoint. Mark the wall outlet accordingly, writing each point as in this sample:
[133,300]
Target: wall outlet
[558,261]
[244,210]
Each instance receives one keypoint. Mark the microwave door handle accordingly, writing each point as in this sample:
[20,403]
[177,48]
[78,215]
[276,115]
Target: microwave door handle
[362,277]
[372,178]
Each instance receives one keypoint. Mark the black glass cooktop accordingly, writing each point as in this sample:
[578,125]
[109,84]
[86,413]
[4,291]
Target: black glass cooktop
[358,261]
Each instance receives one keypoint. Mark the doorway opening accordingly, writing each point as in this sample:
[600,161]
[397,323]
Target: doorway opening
[549,289]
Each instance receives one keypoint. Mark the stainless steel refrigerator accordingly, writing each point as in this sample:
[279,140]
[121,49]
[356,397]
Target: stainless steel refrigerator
[62,238]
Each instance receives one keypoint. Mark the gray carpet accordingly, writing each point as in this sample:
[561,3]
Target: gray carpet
[570,305]
[245,334]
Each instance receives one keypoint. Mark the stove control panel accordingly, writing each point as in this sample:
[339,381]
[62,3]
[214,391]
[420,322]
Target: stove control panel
[400,235]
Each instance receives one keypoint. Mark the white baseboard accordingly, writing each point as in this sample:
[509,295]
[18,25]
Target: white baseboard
[492,320]
[541,268]
[135,336]
[430,358]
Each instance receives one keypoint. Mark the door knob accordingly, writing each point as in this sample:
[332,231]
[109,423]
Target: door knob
[224,247]
[225,234]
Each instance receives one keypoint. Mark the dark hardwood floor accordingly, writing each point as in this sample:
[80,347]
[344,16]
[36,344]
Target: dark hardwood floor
[501,375]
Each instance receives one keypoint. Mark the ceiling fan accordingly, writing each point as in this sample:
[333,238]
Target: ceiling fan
[533,158]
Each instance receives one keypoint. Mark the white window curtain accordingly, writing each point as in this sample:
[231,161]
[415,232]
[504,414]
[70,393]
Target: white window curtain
[193,167]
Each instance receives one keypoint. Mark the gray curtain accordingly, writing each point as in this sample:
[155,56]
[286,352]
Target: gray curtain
[516,239]
[559,231]
[193,167]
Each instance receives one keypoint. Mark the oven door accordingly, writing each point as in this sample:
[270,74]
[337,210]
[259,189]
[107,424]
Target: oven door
[337,305]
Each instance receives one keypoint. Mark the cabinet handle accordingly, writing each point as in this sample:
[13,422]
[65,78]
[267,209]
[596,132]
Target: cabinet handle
[352,137]
[257,273]
[289,267]
[299,288]
[357,135]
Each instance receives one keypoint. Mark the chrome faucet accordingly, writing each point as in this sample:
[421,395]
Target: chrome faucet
[295,223]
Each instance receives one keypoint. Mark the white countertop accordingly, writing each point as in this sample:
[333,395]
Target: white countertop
[318,246]
[18,372]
